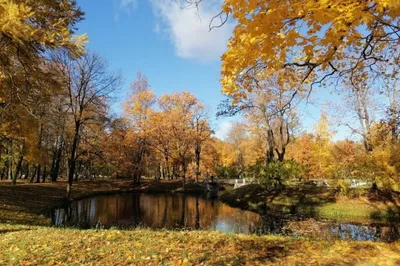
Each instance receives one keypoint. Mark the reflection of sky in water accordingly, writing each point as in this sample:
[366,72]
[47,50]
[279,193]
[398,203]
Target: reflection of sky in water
[355,232]
[188,212]
[223,227]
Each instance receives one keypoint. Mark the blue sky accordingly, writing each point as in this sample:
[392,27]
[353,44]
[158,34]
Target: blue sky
[171,45]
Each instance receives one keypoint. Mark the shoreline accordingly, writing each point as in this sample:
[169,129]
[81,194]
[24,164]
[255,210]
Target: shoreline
[36,201]
[318,203]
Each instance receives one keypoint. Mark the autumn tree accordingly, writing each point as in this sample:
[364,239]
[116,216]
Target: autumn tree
[201,133]
[301,150]
[308,42]
[88,84]
[210,158]
[390,86]
[161,141]
[269,109]
[322,155]
[238,136]
[179,107]
[137,109]
[29,29]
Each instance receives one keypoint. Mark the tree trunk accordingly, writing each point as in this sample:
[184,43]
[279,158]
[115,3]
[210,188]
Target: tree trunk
[27,171]
[281,155]
[166,156]
[363,117]
[55,166]
[10,170]
[394,124]
[44,174]
[184,169]
[33,174]
[197,154]
[72,160]
[3,172]
[270,146]
[10,163]
[18,170]
[38,173]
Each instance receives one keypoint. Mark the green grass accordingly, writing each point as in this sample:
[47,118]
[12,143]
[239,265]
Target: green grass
[49,246]
[351,211]
[320,203]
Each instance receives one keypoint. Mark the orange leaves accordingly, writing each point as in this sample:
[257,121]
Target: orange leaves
[170,128]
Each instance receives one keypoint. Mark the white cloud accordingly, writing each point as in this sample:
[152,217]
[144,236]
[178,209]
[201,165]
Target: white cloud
[189,30]
[223,129]
[128,5]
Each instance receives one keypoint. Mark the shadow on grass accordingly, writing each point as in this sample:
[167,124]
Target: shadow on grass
[5,231]
[350,217]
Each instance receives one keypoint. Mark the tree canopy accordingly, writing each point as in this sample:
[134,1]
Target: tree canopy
[306,42]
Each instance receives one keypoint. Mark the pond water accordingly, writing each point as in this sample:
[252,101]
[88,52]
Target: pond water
[182,212]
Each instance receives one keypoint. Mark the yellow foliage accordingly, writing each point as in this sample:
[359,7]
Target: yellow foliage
[15,17]
[306,39]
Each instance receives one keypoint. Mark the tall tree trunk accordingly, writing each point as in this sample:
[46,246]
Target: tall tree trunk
[270,146]
[10,170]
[18,170]
[184,169]
[27,171]
[33,174]
[38,173]
[197,155]
[166,157]
[363,117]
[10,162]
[72,160]
[55,166]
[44,175]
[3,171]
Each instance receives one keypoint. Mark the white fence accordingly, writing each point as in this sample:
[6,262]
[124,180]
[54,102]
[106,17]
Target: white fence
[242,182]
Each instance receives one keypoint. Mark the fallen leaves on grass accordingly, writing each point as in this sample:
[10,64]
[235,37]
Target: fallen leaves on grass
[50,246]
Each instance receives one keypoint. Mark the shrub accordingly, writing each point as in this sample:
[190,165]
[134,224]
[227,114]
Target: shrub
[276,174]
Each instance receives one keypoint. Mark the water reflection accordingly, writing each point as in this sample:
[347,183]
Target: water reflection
[345,231]
[178,211]
[157,211]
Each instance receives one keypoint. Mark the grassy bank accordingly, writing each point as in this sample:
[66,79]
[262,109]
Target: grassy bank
[46,246]
[320,203]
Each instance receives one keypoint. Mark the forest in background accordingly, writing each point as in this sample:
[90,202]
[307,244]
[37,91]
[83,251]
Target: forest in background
[55,101]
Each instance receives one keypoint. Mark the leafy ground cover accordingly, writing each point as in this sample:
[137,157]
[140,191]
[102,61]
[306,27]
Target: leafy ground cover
[50,246]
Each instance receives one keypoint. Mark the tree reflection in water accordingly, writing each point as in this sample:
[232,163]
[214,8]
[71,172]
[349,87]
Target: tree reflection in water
[178,211]
[157,211]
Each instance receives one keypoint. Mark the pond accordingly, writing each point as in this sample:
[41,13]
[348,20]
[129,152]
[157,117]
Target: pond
[182,212]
